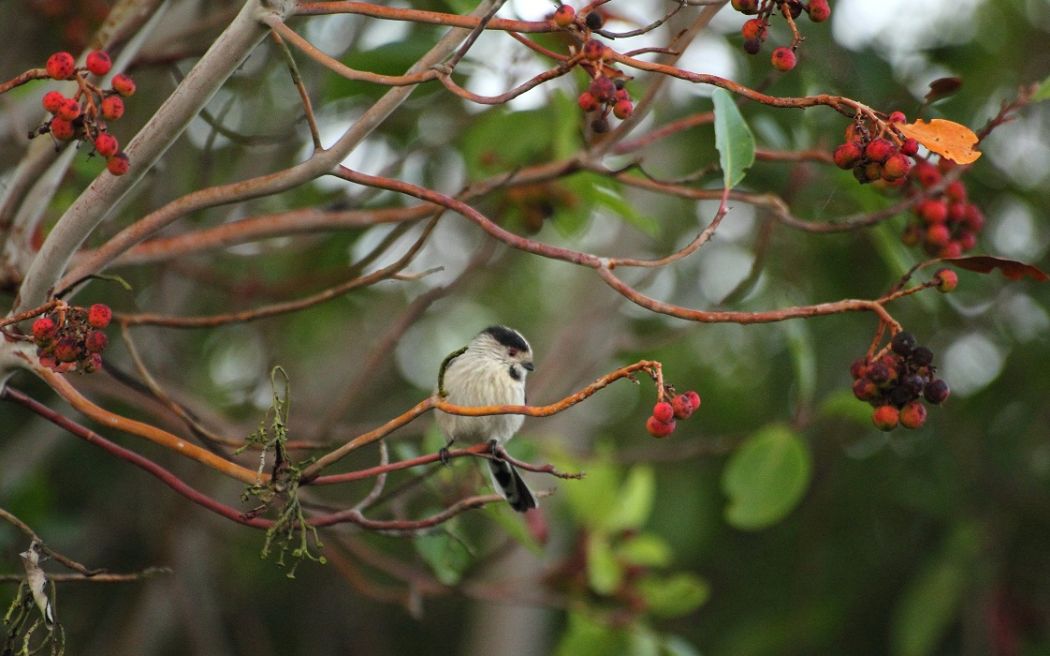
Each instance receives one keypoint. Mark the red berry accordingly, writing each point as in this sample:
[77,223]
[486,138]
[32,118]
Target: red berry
[858,368]
[66,350]
[748,7]
[112,108]
[99,315]
[53,101]
[603,89]
[956,191]
[106,145]
[98,62]
[593,50]
[622,109]
[898,117]
[96,341]
[663,412]
[694,399]
[92,363]
[44,330]
[682,407]
[938,235]
[879,150]
[896,167]
[659,428]
[61,66]
[947,280]
[974,218]
[783,59]
[118,164]
[910,147]
[932,211]
[69,110]
[967,240]
[123,85]
[927,174]
[951,249]
[564,16]
[62,129]
[885,417]
[847,155]
[819,10]
[913,415]
[588,102]
[865,389]
[754,28]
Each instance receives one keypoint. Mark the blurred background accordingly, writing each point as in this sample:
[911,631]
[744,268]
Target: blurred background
[931,541]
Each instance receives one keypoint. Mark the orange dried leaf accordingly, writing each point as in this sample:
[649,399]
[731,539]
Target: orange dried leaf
[946,138]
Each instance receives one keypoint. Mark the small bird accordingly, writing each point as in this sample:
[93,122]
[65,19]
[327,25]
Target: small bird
[491,370]
[37,581]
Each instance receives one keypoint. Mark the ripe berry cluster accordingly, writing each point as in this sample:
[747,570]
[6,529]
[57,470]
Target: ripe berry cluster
[945,223]
[896,383]
[872,157]
[662,422]
[602,96]
[72,338]
[756,29]
[83,117]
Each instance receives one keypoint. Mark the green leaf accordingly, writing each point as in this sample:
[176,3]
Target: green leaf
[842,403]
[766,478]
[603,570]
[447,556]
[635,500]
[510,522]
[595,497]
[645,549]
[931,601]
[586,637]
[1043,92]
[733,138]
[675,595]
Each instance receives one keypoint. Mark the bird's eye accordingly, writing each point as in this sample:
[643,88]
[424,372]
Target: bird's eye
[512,352]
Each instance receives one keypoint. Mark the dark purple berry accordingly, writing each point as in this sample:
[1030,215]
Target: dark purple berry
[593,20]
[903,343]
[901,394]
[879,373]
[921,356]
[936,391]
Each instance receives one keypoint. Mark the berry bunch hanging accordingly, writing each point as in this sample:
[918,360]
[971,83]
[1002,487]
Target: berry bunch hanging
[84,116]
[662,422]
[756,30]
[606,94]
[874,151]
[72,338]
[944,222]
[898,382]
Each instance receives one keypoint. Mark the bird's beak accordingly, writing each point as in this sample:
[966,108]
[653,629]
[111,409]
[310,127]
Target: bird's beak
[528,365]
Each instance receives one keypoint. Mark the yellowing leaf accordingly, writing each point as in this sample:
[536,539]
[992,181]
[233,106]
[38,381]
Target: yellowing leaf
[946,138]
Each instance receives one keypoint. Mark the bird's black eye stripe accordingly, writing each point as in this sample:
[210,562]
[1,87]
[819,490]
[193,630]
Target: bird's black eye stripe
[515,373]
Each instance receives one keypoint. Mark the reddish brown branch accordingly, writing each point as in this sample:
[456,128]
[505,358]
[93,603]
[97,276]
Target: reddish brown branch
[419,16]
[22,78]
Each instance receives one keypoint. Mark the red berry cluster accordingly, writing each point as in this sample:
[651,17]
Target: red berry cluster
[945,223]
[896,383]
[72,338]
[756,29]
[662,422]
[84,116]
[602,96]
[885,156]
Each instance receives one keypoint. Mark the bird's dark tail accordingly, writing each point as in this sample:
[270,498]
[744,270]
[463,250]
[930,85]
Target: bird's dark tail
[509,483]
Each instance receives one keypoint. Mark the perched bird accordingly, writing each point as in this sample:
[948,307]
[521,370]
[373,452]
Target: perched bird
[491,370]
[37,581]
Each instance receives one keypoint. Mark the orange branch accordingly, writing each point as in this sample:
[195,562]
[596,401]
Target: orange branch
[151,433]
